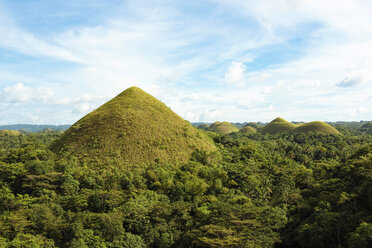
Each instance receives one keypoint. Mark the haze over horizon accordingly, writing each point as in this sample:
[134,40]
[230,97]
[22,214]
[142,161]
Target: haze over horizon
[208,61]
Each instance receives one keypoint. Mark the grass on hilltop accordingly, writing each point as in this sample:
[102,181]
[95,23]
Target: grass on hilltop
[133,128]
[9,133]
[368,125]
[254,125]
[247,130]
[316,127]
[203,126]
[278,125]
[223,128]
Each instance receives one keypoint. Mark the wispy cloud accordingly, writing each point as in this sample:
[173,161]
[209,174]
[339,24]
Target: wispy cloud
[291,58]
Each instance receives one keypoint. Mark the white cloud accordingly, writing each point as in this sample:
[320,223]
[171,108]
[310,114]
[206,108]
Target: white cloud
[170,54]
[82,108]
[19,93]
[357,111]
[235,72]
[355,78]
[210,115]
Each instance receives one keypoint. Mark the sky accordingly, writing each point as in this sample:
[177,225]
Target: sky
[217,60]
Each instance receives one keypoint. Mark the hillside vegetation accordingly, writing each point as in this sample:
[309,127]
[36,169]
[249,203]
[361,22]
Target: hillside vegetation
[133,128]
[223,127]
[292,190]
[280,125]
[247,130]
[10,132]
[253,124]
[277,126]
[184,188]
[316,127]
[367,127]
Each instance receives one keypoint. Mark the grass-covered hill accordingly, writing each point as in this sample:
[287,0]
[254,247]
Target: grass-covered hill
[223,128]
[133,128]
[9,133]
[367,127]
[253,124]
[247,130]
[278,125]
[316,127]
[203,126]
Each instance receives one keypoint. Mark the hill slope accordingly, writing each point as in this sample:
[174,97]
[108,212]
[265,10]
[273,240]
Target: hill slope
[247,130]
[223,128]
[134,128]
[253,124]
[367,127]
[278,125]
[9,133]
[316,127]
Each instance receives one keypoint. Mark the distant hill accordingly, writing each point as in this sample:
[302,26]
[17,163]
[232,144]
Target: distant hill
[247,130]
[34,128]
[9,133]
[253,124]
[278,125]
[223,128]
[133,128]
[316,127]
[367,127]
[203,126]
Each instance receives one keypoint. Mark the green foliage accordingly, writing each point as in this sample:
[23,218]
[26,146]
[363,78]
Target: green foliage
[292,189]
[9,133]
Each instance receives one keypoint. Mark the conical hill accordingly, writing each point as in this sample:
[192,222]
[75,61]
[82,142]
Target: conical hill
[134,128]
[367,125]
[253,124]
[247,130]
[278,125]
[223,128]
[316,127]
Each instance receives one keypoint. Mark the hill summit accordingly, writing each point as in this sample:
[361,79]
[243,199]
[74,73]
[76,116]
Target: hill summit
[278,125]
[134,128]
[316,127]
[223,128]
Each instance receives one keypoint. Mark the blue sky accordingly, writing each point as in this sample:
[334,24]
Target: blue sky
[207,60]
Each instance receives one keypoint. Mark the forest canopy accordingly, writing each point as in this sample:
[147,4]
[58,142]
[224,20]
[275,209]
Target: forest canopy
[262,190]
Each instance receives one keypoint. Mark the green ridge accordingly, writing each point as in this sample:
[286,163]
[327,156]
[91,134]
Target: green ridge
[223,128]
[253,124]
[316,127]
[9,133]
[368,125]
[278,125]
[247,130]
[203,126]
[133,128]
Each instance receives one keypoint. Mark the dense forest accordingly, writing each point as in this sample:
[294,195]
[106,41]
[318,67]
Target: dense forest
[258,190]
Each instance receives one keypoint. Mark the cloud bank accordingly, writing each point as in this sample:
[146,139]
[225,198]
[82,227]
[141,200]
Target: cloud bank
[217,60]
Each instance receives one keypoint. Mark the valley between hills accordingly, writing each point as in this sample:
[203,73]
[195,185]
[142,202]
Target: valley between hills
[132,173]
